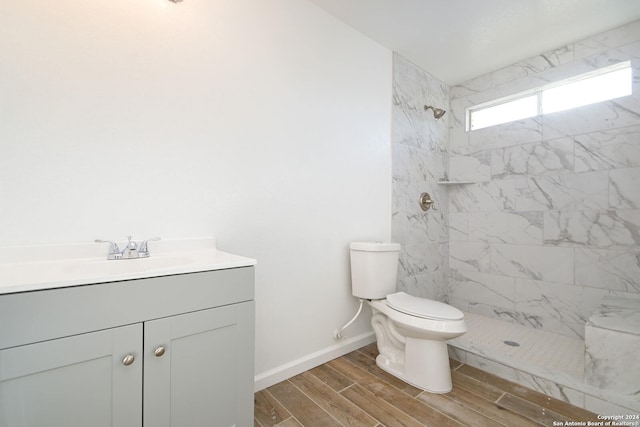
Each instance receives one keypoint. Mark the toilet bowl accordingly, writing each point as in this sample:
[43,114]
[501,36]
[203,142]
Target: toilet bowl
[413,344]
[412,332]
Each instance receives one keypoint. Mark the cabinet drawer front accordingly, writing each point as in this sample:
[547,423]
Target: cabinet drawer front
[71,311]
[75,381]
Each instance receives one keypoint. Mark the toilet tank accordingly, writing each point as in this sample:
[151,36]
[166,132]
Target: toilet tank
[374,269]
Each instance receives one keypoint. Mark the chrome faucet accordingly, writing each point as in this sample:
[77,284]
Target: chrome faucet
[132,250]
[143,248]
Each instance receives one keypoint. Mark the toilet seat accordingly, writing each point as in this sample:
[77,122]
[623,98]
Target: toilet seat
[420,327]
[422,307]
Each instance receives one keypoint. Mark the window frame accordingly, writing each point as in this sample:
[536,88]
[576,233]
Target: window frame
[539,93]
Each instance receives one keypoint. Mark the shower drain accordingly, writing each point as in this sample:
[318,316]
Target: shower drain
[511,343]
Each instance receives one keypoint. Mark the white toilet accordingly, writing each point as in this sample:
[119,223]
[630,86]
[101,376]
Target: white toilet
[412,332]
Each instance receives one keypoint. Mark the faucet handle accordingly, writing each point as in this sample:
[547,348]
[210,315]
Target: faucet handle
[114,250]
[144,247]
[131,244]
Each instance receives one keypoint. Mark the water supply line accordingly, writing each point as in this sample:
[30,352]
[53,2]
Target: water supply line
[337,334]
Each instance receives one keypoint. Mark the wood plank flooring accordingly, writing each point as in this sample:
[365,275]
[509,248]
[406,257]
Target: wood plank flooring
[352,391]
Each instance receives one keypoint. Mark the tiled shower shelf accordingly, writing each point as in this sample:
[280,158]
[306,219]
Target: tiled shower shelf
[456,182]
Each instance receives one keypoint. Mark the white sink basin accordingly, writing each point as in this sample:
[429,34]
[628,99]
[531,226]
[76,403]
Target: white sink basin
[101,268]
[48,271]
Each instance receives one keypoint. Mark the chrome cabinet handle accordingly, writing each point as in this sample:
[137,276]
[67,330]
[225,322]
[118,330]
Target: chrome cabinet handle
[128,359]
[158,352]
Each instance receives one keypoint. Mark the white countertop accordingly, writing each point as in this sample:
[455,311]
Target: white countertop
[30,268]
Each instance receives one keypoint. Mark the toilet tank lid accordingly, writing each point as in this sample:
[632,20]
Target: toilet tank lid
[422,307]
[374,246]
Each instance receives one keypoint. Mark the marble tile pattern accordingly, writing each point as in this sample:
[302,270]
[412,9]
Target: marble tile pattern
[612,345]
[419,144]
[551,223]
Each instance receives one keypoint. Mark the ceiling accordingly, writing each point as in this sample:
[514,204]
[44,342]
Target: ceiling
[455,40]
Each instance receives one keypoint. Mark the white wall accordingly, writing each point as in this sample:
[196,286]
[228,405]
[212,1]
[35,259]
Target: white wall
[265,123]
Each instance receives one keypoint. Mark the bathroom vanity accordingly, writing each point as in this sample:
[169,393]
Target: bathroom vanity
[155,345]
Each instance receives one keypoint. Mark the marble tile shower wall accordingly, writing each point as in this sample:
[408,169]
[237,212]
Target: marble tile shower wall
[551,224]
[419,145]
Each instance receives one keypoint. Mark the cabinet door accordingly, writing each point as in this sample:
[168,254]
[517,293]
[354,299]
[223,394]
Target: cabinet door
[204,377]
[76,381]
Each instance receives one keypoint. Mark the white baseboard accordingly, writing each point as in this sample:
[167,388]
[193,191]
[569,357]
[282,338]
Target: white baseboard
[288,370]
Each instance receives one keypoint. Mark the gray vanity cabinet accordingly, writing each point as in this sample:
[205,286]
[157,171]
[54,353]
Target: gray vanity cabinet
[170,351]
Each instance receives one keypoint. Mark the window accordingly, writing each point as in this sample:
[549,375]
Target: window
[600,85]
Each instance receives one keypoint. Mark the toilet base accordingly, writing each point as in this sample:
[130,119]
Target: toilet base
[415,349]
[426,365]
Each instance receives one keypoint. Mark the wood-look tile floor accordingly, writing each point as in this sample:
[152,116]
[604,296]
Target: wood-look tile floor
[353,391]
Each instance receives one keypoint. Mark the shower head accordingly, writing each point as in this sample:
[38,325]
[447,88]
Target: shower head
[437,112]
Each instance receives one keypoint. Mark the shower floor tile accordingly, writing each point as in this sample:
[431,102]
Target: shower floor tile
[533,350]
